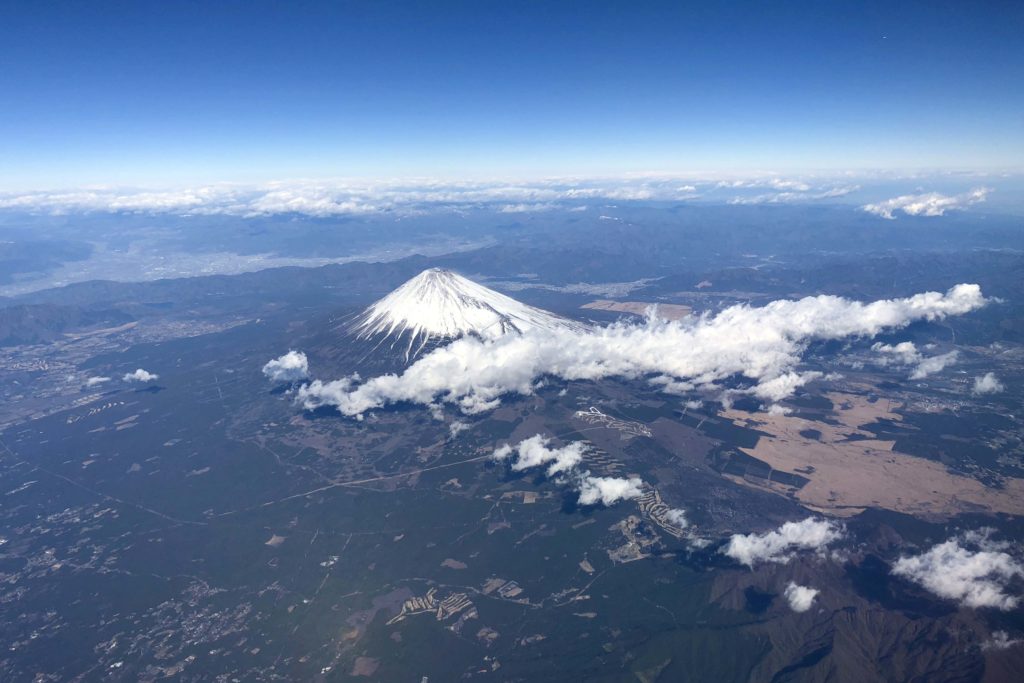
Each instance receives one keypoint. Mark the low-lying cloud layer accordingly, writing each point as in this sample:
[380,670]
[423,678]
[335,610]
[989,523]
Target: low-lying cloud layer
[800,193]
[928,204]
[349,197]
[291,367]
[780,545]
[563,462]
[972,569]
[323,198]
[762,345]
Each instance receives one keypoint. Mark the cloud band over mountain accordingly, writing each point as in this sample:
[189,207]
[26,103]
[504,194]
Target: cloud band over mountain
[761,345]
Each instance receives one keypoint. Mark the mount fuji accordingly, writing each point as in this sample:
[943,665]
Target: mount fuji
[439,305]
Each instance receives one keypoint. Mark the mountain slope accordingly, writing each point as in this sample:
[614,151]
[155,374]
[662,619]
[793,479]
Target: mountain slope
[438,304]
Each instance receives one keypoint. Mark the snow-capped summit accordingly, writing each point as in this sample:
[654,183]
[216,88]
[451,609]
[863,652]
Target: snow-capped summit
[439,304]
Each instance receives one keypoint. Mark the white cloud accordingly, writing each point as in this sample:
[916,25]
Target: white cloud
[327,198]
[780,544]
[608,490]
[774,183]
[140,375]
[905,353]
[987,384]
[784,385]
[336,197]
[678,517]
[761,345]
[456,428]
[800,597]
[563,463]
[291,367]
[1000,640]
[974,578]
[96,381]
[796,195]
[535,452]
[933,364]
[929,204]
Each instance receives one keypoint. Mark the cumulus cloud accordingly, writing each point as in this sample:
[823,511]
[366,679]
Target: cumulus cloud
[929,204]
[987,384]
[678,517]
[536,452]
[608,490]
[456,428]
[96,381]
[971,569]
[906,353]
[760,345]
[291,367]
[563,463]
[780,545]
[933,364]
[1000,640]
[784,385]
[800,598]
[140,375]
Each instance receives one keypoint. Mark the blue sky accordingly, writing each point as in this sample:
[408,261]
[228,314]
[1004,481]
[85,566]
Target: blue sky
[149,93]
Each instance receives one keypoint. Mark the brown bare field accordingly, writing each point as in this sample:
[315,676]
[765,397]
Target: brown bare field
[666,311]
[848,476]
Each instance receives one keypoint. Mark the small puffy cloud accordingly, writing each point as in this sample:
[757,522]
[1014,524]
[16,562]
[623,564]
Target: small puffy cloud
[1000,640]
[536,452]
[800,598]
[608,490]
[780,544]
[291,367]
[96,381]
[971,569]
[762,345]
[784,385]
[140,375]
[563,462]
[933,364]
[678,517]
[456,428]
[987,384]
[906,353]
[929,204]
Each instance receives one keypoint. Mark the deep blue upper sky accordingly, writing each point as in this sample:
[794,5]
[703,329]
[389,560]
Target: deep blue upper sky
[156,92]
